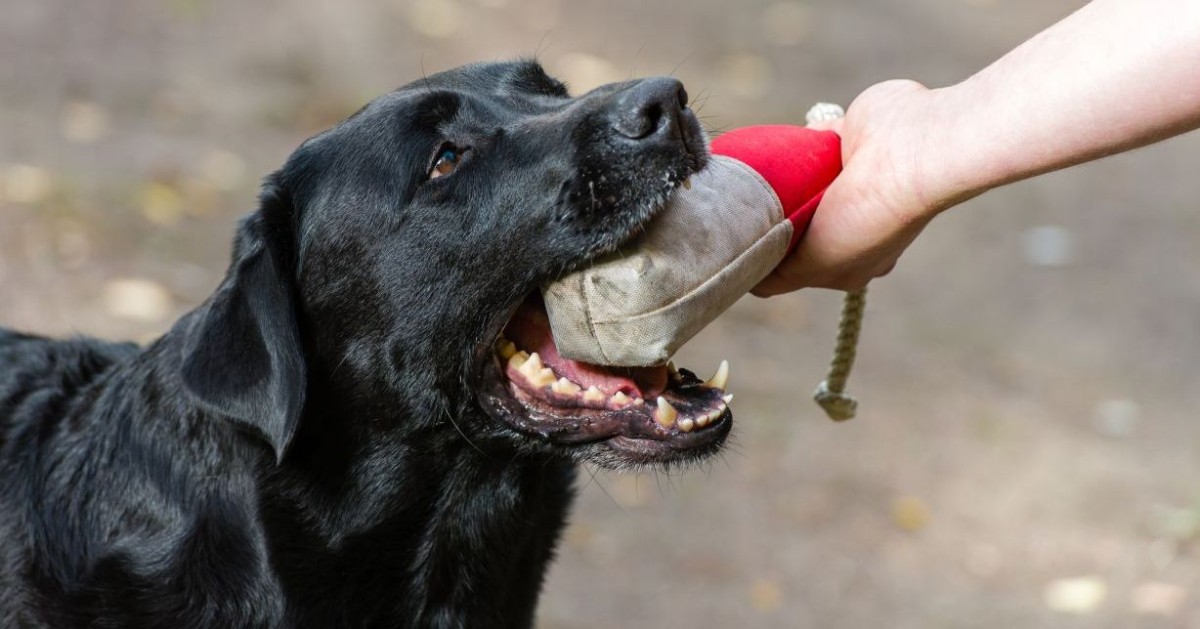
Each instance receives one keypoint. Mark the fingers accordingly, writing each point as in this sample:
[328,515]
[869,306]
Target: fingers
[853,239]
[773,285]
[872,212]
[778,283]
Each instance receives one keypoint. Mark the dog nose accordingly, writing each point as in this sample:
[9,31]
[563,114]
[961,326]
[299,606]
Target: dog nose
[647,107]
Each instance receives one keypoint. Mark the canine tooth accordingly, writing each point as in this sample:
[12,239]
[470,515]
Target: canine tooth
[686,424]
[673,373]
[665,414]
[562,386]
[620,399]
[516,361]
[543,378]
[687,183]
[593,395]
[721,378]
[728,397]
[506,348]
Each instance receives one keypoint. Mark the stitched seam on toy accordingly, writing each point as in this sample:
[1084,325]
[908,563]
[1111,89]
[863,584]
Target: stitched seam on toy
[587,314]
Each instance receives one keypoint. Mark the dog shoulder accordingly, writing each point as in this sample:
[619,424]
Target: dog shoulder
[30,364]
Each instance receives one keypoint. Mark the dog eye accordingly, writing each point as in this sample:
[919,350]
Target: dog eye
[447,161]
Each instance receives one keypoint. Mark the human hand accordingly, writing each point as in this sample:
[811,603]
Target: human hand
[880,202]
[1063,97]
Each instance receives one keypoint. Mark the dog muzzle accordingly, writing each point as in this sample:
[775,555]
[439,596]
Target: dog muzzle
[712,243]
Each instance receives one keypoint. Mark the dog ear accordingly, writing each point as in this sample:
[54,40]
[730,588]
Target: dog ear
[243,356]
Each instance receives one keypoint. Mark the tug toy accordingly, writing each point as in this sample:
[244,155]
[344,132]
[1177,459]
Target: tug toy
[721,234]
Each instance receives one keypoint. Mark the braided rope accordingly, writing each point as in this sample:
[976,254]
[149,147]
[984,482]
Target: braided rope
[831,393]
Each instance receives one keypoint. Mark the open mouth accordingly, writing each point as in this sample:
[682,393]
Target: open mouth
[647,414]
[613,415]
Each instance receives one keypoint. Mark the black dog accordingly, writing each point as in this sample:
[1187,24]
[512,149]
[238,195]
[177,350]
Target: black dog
[344,433]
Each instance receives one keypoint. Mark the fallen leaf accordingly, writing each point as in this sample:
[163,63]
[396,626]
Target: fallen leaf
[1081,595]
[766,595]
[160,203]
[910,513]
[26,184]
[136,299]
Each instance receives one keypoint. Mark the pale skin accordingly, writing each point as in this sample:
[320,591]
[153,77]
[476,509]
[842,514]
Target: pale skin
[1113,76]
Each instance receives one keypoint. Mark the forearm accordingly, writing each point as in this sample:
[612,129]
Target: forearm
[1115,75]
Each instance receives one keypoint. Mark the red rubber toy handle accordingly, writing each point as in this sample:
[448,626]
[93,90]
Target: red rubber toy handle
[797,162]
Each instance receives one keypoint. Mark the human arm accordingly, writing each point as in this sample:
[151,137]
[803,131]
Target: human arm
[1114,75]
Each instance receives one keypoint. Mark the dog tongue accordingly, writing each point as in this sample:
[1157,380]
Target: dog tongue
[530,330]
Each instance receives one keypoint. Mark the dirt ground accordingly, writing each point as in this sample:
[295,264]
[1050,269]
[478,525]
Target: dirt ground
[1028,451]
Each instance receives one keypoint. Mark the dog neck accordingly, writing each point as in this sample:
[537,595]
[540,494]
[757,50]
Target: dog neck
[409,504]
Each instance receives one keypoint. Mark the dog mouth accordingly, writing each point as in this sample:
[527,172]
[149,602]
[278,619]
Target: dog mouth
[614,416]
[644,414]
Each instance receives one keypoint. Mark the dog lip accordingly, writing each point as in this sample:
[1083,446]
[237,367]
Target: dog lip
[649,451]
[633,431]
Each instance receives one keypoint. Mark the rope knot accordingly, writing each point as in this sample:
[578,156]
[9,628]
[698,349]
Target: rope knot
[824,112]
[837,405]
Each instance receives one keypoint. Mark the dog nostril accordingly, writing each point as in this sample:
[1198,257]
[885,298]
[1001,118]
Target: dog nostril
[639,122]
[645,108]
[650,118]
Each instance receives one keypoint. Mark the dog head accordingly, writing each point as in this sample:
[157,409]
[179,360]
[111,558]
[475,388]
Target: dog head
[396,260]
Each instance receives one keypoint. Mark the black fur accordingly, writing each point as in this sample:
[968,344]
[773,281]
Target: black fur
[307,448]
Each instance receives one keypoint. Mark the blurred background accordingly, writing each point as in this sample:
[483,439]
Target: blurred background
[1028,449]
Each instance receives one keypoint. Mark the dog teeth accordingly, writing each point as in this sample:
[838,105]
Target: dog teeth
[620,400]
[531,366]
[719,379]
[687,424]
[673,373]
[665,414]
[593,395]
[517,360]
[687,183]
[562,386]
[505,348]
[543,378]
[728,397]
[710,417]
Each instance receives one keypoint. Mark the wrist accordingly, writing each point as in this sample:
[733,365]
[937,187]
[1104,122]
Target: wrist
[953,165]
[898,137]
